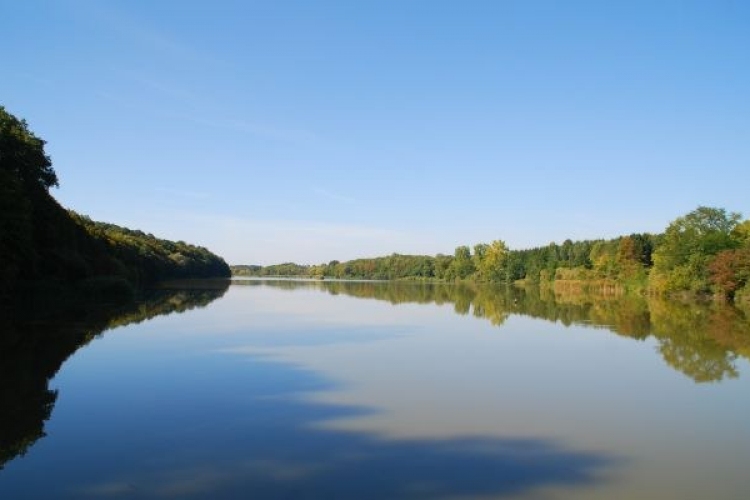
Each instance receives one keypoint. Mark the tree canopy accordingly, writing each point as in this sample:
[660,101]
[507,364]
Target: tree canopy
[22,153]
[42,242]
[681,262]
[705,251]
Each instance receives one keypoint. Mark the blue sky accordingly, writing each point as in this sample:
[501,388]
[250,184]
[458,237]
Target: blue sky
[309,131]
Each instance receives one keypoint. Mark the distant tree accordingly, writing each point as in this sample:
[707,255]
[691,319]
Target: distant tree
[566,253]
[628,257]
[480,251]
[644,245]
[442,264]
[603,257]
[579,254]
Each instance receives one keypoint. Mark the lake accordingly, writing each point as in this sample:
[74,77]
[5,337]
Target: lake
[364,390]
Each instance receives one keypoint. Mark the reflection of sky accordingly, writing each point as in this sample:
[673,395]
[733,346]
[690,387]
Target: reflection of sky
[306,395]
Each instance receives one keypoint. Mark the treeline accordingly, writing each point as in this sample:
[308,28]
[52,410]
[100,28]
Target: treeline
[704,252]
[392,267]
[286,269]
[144,258]
[45,247]
[493,263]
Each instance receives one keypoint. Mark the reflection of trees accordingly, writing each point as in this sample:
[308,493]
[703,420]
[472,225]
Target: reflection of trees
[703,341]
[702,363]
[492,304]
[32,350]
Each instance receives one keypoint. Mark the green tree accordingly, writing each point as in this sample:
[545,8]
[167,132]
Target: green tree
[22,153]
[25,175]
[462,265]
[741,233]
[681,261]
[442,265]
[603,257]
[492,265]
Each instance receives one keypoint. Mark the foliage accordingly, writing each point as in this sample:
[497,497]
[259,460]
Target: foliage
[392,267]
[729,271]
[741,233]
[145,259]
[41,241]
[689,243]
[15,229]
[490,262]
[462,265]
[25,176]
[22,153]
[677,261]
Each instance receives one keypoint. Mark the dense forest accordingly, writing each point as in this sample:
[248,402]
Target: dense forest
[706,252]
[44,247]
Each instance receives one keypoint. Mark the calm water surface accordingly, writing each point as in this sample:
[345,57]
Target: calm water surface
[282,389]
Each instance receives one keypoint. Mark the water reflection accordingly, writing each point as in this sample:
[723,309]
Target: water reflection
[34,344]
[264,441]
[273,394]
[702,341]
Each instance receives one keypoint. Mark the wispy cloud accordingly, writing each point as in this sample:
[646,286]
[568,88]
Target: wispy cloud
[264,130]
[142,32]
[332,196]
[188,103]
[182,193]
[170,90]
[191,106]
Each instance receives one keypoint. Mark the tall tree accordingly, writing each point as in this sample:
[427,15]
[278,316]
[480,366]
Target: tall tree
[22,153]
[680,262]
[25,175]
[492,265]
[462,265]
